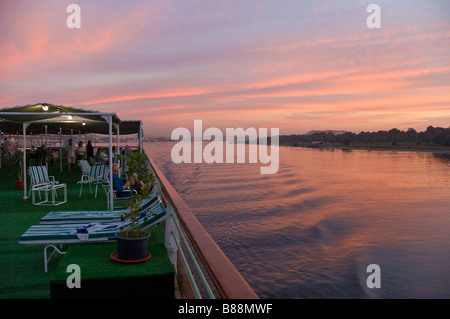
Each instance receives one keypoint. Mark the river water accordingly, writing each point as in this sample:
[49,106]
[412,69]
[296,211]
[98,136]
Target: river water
[312,229]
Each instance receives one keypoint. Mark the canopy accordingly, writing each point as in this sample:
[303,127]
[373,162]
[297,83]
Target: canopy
[43,118]
[54,126]
[39,115]
[43,111]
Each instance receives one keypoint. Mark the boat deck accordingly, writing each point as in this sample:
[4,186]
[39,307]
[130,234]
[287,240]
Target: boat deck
[101,277]
[22,266]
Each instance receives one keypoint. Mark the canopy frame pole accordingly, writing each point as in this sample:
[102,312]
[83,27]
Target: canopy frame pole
[140,137]
[110,164]
[108,118]
[24,160]
[118,138]
[46,159]
[60,149]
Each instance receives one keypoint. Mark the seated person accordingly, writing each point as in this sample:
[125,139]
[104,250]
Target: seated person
[138,185]
[100,156]
[120,186]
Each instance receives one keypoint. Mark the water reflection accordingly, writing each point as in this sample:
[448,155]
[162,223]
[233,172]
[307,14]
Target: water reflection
[310,230]
[442,157]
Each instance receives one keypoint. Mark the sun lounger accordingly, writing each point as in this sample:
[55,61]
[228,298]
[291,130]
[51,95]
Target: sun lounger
[52,235]
[80,217]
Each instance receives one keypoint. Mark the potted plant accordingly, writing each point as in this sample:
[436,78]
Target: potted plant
[132,242]
[18,168]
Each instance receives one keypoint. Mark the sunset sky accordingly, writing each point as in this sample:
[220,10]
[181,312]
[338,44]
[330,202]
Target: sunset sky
[292,64]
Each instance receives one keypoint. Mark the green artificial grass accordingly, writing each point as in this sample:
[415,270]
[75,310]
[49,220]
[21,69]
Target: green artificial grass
[22,267]
[96,261]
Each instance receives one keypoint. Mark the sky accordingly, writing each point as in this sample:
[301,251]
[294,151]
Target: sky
[289,64]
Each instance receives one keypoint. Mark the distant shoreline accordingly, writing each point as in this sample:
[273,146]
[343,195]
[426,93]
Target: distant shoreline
[400,148]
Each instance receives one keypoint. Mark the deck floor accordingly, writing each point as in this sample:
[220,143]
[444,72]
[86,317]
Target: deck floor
[22,266]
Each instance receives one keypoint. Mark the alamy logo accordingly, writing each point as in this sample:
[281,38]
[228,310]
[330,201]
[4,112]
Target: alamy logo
[213,152]
[374,19]
[374,279]
[73,20]
[74,279]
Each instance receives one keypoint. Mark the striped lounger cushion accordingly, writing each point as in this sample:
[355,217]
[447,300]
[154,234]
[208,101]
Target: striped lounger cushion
[79,217]
[65,234]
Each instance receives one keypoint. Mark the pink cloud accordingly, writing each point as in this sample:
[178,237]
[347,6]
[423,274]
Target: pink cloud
[172,62]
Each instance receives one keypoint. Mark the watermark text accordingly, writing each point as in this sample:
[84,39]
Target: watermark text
[222,150]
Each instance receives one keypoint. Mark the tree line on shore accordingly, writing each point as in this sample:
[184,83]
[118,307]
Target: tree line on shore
[432,135]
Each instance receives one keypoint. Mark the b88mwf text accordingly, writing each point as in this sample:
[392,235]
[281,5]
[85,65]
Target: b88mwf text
[246,308]
[231,308]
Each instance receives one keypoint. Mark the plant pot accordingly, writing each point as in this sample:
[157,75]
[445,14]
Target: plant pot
[132,248]
[19,184]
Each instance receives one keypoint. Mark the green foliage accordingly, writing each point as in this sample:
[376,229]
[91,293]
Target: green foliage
[18,164]
[137,166]
[432,135]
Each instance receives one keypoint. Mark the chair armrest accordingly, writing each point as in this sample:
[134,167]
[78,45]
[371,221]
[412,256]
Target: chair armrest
[40,186]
